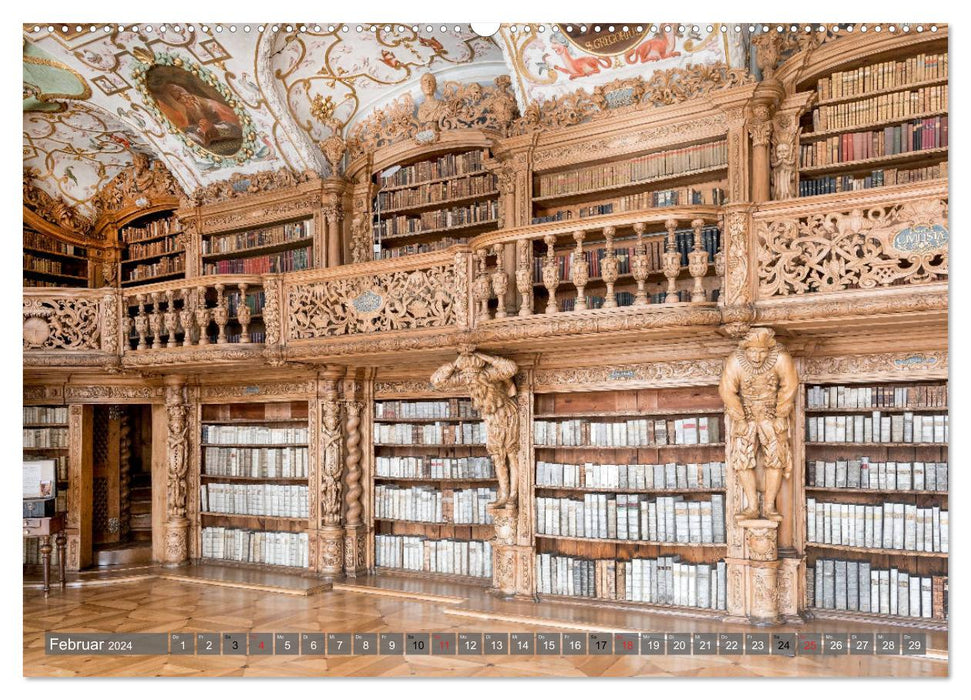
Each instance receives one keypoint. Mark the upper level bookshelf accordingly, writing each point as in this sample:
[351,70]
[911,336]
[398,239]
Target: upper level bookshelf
[282,247]
[876,500]
[432,482]
[883,122]
[253,483]
[434,203]
[630,496]
[154,250]
[51,262]
[689,175]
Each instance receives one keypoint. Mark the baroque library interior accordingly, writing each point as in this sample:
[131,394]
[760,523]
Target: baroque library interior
[561,330]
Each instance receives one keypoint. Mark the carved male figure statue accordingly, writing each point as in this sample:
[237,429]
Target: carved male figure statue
[488,380]
[758,387]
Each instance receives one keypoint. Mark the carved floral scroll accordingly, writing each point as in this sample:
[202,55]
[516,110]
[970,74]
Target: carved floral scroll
[857,249]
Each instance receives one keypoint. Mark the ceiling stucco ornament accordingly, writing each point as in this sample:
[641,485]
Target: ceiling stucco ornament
[52,209]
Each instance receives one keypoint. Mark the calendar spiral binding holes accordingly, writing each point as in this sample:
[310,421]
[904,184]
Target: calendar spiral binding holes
[848,29]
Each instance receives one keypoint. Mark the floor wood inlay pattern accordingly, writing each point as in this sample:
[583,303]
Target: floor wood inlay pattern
[396,604]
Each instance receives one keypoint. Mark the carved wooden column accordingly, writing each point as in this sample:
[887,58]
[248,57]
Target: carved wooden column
[193,243]
[80,486]
[740,271]
[758,385]
[333,212]
[331,466]
[766,98]
[355,529]
[177,465]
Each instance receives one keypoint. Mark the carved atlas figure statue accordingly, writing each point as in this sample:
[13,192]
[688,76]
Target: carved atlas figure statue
[758,386]
[488,379]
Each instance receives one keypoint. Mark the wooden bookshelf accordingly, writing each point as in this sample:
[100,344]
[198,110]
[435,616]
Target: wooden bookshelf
[255,477]
[43,424]
[850,486]
[154,249]
[51,262]
[860,132]
[628,485]
[413,480]
[286,246]
[432,203]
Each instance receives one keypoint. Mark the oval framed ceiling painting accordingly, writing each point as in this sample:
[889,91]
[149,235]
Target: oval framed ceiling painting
[195,107]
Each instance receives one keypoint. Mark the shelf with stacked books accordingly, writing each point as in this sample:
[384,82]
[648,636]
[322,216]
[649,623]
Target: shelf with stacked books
[46,437]
[432,482]
[876,501]
[879,124]
[51,262]
[281,247]
[629,497]
[253,484]
[433,203]
[154,249]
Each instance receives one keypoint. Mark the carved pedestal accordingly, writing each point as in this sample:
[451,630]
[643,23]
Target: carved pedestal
[754,578]
[355,541]
[176,541]
[512,564]
[331,550]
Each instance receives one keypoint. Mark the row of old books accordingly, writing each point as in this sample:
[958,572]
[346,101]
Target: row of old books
[252,435]
[45,437]
[863,473]
[255,547]
[71,268]
[479,212]
[877,428]
[449,165]
[895,105]
[254,301]
[877,178]
[254,337]
[430,193]
[638,202]
[917,135]
[655,165]
[446,556]
[858,586]
[445,408]
[654,250]
[897,526]
[151,229]
[429,433]
[883,76]
[159,246]
[60,468]
[886,396]
[661,581]
[31,282]
[428,505]
[434,467]
[166,266]
[45,415]
[284,233]
[275,500]
[633,432]
[256,462]
[38,241]
[642,477]
[286,261]
[633,517]
[415,248]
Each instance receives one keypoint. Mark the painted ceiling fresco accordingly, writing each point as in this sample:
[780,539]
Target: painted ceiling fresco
[210,101]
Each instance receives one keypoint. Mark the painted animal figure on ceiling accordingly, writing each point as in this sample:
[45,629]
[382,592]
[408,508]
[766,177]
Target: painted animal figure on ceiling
[658,48]
[579,67]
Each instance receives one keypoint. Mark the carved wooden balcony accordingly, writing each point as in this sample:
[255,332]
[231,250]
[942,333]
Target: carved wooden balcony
[71,327]
[866,253]
[204,319]
[632,270]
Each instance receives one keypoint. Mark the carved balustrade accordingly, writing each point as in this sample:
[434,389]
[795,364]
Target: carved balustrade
[204,311]
[670,256]
[867,240]
[71,326]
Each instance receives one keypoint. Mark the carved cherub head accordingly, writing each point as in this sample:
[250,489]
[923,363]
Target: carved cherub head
[758,344]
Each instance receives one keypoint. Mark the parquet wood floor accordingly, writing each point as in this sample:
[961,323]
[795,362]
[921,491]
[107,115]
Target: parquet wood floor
[155,603]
